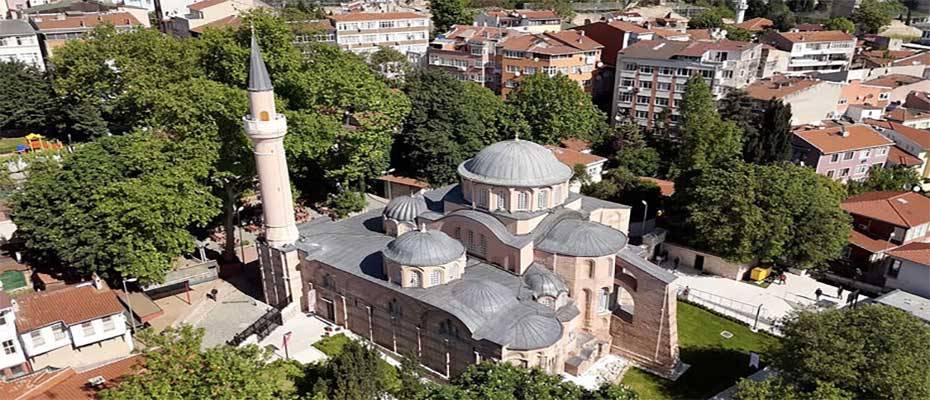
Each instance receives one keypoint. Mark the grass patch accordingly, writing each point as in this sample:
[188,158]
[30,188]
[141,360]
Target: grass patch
[716,362]
[332,345]
[8,145]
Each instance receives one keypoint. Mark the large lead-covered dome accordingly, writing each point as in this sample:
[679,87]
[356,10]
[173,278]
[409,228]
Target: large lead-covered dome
[424,249]
[515,163]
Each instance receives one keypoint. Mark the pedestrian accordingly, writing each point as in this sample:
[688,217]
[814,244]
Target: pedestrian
[782,278]
[819,293]
[675,266]
[839,292]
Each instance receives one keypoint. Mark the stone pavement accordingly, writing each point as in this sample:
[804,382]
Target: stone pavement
[305,331]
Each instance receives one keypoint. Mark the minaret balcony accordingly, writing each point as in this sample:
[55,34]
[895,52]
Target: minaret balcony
[274,128]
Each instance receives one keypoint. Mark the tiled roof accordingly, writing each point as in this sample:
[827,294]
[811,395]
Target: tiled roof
[918,100]
[905,114]
[5,300]
[201,5]
[564,42]
[571,157]
[403,180]
[906,209]
[70,305]
[700,34]
[919,136]
[668,49]
[865,242]
[756,24]
[627,26]
[893,80]
[668,33]
[470,32]
[885,57]
[916,252]
[819,36]
[667,187]
[809,27]
[897,156]
[86,21]
[75,386]
[231,21]
[917,59]
[365,16]
[779,86]
[576,144]
[831,140]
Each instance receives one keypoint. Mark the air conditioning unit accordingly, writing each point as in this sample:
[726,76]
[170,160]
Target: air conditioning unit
[518,73]
[96,381]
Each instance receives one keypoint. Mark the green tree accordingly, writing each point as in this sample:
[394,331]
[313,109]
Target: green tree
[449,12]
[885,179]
[868,352]
[504,381]
[707,19]
[873,15]
[840,24]
[389,63]
[738,34]
[175,367]
[26,98]
[774,138]
[778,388]
[356,373]
[556,108]
[449,122]
[738,107]
[622,186]
[626,147]
[120,206]
[707,140]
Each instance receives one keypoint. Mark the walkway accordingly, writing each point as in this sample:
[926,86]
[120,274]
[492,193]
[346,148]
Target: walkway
[305,331]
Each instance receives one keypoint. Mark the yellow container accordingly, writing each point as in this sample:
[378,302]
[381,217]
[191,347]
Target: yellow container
[759,274]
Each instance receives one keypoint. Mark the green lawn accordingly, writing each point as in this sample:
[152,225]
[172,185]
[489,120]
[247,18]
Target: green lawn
[8,145]
[332,345]
[716,362]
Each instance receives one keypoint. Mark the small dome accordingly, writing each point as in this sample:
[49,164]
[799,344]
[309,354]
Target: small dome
[515,163]
[544,282]
[579,238]
[534,332]
[485,299]
[424,249]
[405,208]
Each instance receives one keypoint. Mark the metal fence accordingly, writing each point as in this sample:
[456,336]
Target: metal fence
[754,315]
[261,328]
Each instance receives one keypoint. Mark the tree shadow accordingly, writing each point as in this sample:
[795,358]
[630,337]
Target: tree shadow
[712,371]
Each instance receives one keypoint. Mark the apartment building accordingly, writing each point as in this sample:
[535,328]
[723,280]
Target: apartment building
[58,29]
[470,53]
[12,358]
[532,21]
[569,53]
[864,94]
[824,51]
[365,32]
[912,141]
[900,85]
[19,42]
[651,75]
[811,100]
[842,153]
[909,117]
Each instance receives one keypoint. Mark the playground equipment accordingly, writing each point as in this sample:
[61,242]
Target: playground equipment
[35,141]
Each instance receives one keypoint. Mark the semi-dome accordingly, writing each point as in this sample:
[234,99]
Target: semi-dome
[515,163]
[535,331]
[424,248]
[544,282]
[485,299]
[405,208]
[579,238]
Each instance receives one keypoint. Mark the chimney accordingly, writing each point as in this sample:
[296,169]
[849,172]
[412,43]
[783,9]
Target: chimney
[96,281]
[843,131]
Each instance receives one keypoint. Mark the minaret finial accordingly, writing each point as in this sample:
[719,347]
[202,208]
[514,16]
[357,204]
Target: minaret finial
[259,81]
[516,136]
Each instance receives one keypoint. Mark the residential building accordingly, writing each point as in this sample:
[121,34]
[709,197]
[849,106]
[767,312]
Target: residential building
[900,85]
[532,21]
[909,303]
[918,101]
[231,22]
[57,328]
[168,9]
[811,100]
[12,358]
[207,11]
[883,222]
[757,24]
[365,32]
[19,42]
[913,118]
[915,142]
[842,153]
[858,93]
[592,164]
[470,53]
[315,31]
[772,62]
[824,51]
[569,53]
[909,267]
[880,58]
[614,35]
[56,30]
[652,74]
[82,383]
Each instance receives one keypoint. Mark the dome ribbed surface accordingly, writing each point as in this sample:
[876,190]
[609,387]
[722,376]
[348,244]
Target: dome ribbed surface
[483,299]
[544,282]
[517,163]
[579,238]
[423,249]
[534,332]
[405,208]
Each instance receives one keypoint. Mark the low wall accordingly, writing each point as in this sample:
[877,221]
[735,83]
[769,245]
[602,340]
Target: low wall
[688,257]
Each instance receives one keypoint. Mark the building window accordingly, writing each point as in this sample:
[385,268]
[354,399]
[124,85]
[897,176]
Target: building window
[661,101]
[88,328]
[483,198]
[835,158]
[626,83]
[470,238]
[447,328]
[557,195]
[666,71]
[861,169]
[625,97]
[523,200]
[108,324]
[482,244]
[844,172]
[646,69]
[603,298]
[394,308]
[592,268]
[849,155]
[629,67]
[830,173]
[37,338]
[457,233]
[882,151]
[501,201]
[865,154]
[435,277]
[642,114]
[894,269]
[542,199]
[664,86]
[8,347]
[2,318]
[416,280]
[645,84]
[642,100]
[395,277]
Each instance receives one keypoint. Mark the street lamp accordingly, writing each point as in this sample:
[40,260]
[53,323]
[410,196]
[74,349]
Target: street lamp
[645,210]
[129,302]
[241,239]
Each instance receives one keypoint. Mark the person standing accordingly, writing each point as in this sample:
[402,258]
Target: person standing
[819,293]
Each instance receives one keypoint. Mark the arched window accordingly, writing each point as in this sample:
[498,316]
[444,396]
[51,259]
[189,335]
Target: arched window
[603,298]
[482,244]
[542,199]
[328,281]
[625,306]
[394,308]
[483,198]
[435,277]
[592,268]
[416,280]
[447,328]
[523,200]
[457,233]
[557,195]
[395,277]
[501,201]
[470,238]
[547,301]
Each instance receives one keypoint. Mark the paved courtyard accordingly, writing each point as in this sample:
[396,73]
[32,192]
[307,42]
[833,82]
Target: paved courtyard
[305,331]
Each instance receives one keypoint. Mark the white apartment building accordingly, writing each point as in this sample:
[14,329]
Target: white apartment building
[12,358]
[365,32]
[19,42]
[824,51]
[532,21]
[651,75]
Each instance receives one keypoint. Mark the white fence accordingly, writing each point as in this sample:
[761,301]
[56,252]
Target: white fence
[753,315]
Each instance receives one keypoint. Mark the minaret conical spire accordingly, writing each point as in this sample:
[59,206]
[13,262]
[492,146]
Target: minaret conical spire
[259,80]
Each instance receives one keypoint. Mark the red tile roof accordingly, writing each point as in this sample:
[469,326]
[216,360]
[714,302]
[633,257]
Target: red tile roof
[231,21]
[365,16]
[865,242]
[906,114]
[627,26]
[905,209]
[917,100]
[779,86]
[571,157]
[893,80]
[919,136]
[820,36]
[897,156]
[576,144]
[915,252]
[564,42]
[71,305]
[756,24]
[75,387]
[201,5]
[831,140]
[403,180]
[86,21]
[667,187]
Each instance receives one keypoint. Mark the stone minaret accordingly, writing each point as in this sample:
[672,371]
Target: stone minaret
[267,128]
[741,7]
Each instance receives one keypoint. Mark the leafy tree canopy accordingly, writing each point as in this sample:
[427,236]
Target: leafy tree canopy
[626,147]
[738,34]
[840,24]
[449,12]
[885,179]
[707,140]
[556,108]
[705,20]
[873,15]
[26,99]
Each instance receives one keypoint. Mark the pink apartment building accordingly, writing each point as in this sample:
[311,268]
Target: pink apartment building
[842,153]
